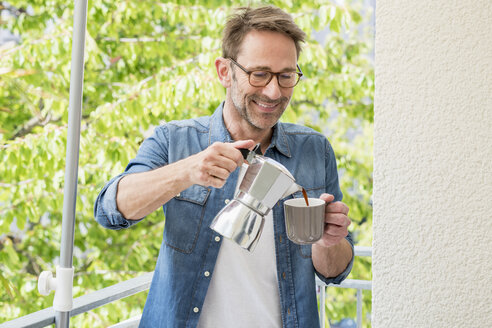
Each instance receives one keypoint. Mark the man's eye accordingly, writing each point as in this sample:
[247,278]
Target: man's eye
[287,76]
[260,74]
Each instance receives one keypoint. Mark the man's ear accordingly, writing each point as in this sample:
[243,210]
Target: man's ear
[223,71]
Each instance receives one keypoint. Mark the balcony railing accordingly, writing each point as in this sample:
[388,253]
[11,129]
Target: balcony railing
[141,283]
[357,284]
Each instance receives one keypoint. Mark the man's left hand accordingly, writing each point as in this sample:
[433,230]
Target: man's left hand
[336,222]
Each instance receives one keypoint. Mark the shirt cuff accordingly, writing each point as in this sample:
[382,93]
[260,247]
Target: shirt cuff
[106,210]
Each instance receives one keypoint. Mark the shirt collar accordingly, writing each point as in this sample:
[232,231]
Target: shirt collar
[279,139]
[219,132]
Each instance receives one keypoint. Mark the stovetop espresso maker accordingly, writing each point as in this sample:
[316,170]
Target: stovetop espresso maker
[261,184]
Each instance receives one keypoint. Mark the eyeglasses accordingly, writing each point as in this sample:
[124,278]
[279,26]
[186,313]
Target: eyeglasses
[262,78]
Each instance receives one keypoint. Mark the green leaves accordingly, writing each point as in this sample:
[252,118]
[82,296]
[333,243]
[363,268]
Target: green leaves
[148,63]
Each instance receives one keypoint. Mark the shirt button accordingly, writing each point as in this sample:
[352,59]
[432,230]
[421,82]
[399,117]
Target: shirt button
[179,194]
[280,238]
[206,273]
[217,238]
[288,310]
[227,201]
[195,309]
[283,275]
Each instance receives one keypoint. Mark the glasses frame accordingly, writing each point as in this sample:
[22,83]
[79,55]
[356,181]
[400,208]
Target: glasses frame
[272,74]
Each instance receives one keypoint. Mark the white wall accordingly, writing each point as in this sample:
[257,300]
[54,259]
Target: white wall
[432,263]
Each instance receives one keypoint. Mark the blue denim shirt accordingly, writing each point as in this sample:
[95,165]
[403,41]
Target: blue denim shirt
[190,248]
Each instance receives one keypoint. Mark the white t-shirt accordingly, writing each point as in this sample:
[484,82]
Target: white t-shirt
[243,291]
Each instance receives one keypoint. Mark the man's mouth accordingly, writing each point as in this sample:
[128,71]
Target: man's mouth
[266,105]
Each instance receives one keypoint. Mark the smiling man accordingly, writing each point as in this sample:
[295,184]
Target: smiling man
[190,168]
[259,103]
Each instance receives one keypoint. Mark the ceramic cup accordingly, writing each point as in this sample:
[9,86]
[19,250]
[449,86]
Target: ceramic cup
[304,224]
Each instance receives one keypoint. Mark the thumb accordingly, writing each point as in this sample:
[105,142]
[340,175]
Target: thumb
[328,198]
[243,144]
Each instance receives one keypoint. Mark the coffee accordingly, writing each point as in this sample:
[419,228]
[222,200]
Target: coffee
[305,196]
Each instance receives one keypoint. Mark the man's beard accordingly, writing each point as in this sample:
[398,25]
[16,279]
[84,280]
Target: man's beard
[243,107]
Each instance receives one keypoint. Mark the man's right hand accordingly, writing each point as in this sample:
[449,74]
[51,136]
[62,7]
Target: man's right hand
[142,193]
[212,166]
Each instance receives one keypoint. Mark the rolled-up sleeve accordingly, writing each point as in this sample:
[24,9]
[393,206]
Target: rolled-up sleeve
[151,155]
[105,209]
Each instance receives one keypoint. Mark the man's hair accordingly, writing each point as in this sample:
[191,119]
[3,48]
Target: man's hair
[268,18]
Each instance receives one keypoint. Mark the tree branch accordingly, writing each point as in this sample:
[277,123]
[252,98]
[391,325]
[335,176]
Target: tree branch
[32,123]
[12,10]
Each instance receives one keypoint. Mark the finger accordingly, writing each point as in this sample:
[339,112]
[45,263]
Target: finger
[337,219]
[230,151]
[208,179]
[219,172]
[243,144]
[336,231]
[224,163]
[223,155]
[215,182]
[337,207]
[327,197]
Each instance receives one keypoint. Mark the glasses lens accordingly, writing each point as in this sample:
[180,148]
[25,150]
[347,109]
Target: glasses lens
[259,78]
[288,80]
[262,78]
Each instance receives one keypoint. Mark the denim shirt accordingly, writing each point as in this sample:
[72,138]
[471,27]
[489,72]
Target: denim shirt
[189,248]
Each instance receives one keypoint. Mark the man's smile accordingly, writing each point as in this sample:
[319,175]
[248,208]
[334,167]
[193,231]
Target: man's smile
[267,106]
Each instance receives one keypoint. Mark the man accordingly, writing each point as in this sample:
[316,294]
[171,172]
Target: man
[191,167]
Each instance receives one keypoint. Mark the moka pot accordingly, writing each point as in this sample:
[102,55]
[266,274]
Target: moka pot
[261,184]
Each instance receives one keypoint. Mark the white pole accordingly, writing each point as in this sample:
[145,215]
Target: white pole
[322,306]
[72,155]
[359,308]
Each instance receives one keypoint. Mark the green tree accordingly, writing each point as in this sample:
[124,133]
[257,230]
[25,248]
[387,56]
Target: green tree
[146,63]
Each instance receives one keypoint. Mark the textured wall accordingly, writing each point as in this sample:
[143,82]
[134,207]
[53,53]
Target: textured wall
[432,263]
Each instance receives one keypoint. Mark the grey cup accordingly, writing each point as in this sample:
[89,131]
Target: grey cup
[304,224]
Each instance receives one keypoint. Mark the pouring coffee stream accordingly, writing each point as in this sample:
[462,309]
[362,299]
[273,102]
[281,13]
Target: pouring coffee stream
[261,184]
[304,194]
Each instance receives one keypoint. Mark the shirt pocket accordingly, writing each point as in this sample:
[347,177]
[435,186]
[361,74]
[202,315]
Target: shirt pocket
[184,217]
[305,250]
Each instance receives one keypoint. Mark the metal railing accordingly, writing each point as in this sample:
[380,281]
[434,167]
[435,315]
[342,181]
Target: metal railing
[141,283]
[359,285]
[85,303]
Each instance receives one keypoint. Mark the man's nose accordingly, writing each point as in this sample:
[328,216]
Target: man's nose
[272,89]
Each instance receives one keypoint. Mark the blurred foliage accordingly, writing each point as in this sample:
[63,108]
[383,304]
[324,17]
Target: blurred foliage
[148,62]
